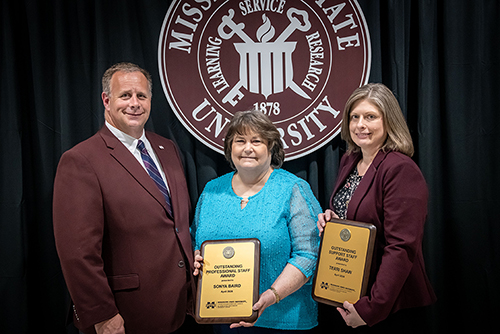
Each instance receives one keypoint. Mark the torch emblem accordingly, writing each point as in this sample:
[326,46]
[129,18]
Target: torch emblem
[265,67]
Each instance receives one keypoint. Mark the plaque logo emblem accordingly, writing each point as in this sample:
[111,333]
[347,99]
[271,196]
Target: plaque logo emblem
[228,252]
[345,235]
[297,61]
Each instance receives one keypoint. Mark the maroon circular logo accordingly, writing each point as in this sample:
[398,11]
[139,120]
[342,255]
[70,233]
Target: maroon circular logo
[296,61]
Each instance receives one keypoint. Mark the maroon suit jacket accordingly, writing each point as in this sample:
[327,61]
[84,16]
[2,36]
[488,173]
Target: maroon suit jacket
[120,250]
[392,195]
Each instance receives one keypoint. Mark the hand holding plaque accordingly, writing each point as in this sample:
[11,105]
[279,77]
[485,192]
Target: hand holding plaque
[344,262]
[228,286]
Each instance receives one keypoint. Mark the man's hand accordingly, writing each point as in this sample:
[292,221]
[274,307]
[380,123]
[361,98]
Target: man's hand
[111,326]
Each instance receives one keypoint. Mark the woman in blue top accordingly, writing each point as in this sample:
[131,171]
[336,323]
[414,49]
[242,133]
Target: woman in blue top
[259,200]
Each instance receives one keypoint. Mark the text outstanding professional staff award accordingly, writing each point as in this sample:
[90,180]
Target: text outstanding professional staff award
[228,286]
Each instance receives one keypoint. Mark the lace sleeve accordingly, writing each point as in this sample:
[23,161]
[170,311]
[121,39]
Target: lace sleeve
[304,210]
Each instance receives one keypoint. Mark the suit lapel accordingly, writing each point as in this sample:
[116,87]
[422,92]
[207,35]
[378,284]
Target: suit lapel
[364,185]
[121,154]
[162,154]
[345,171]
[348,162]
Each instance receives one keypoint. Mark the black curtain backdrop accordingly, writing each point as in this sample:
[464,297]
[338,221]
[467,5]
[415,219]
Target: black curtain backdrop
[441,59]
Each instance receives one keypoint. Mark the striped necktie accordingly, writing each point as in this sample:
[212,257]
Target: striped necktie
[155,174]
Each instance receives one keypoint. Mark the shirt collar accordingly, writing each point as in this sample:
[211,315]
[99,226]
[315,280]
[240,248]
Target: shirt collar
[127,140]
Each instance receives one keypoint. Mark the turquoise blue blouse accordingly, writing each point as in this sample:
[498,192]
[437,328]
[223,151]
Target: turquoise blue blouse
[283,217]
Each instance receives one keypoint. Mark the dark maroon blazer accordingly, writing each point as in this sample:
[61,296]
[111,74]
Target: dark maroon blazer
[393,196]
[120,250]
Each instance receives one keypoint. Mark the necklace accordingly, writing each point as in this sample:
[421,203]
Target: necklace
[240,188]
[244,201]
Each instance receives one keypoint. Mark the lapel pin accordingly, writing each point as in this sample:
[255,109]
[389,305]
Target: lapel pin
[161,147]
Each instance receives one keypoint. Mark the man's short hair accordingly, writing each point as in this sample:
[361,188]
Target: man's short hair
[127,68]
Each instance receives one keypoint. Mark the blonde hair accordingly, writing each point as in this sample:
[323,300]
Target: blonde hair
[254,120]
[398,136]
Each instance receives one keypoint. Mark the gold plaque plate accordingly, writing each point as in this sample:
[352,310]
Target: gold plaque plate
[344,262]
[228,285]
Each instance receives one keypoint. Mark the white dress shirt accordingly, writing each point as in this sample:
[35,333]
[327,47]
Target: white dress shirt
[131,144]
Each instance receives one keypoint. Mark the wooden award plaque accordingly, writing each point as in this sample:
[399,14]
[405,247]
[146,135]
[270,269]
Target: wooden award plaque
[344,262]
[228,285]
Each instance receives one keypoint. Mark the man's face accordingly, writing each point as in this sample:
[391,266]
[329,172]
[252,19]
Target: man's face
[129,103]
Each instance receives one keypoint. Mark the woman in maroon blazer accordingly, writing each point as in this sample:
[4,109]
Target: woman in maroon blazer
[379,183]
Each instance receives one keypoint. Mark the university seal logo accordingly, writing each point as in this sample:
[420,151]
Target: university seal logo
[297,61]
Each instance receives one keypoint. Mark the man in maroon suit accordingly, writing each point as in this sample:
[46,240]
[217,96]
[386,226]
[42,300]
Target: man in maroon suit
[122,235]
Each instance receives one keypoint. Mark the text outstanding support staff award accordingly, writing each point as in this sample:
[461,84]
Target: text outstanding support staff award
[344,262]
[228,286]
